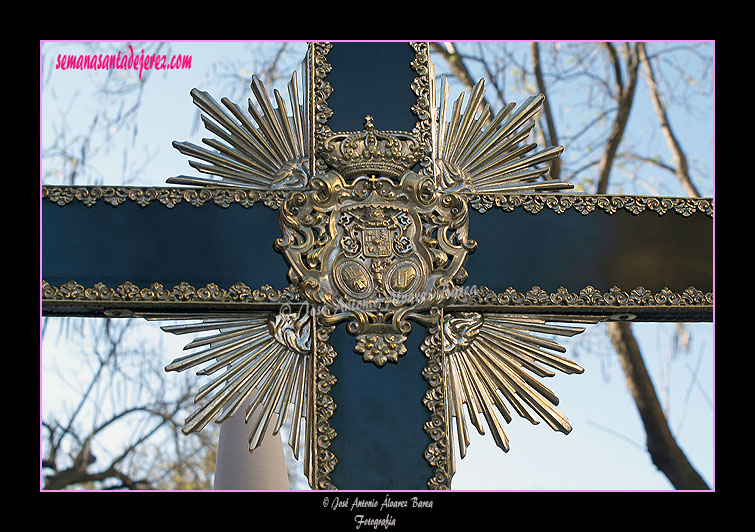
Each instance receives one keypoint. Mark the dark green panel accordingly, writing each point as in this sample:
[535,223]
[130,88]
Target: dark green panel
[144,245]
[379,418]
[519,249]
[373,79]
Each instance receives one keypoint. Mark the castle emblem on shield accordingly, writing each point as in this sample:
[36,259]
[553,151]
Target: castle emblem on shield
[375,252]
[377,258]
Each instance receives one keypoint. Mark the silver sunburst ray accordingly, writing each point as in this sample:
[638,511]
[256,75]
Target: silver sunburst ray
[266,363]
[478,154]
[262,149]
[490,358]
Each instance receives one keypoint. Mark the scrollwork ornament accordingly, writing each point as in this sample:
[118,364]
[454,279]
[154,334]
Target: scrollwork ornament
[641,296]
[561,295]
[99,292]
[667,297]
[168,197]
[212,292]
[482,295]
[606,204]
[375,250]
[71,290]
[240,292]
[183,292]
[154,292]
[115,196]
[686,207]
[637,205]
[616,296]
[537,296]
[88,196]
[438,451]
[224,198]
[692,296]
[325,406]
[512,297]
[481,202]
[197,197]
[590,296]
[558,204]
[59,195]
[423,88]
[142,196]
[533,204]
[48,291]
[128,291]
[586,204]
[583,205]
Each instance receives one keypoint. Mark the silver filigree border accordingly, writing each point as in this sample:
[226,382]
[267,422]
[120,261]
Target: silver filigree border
[224,197]
[168,197]
[479,296]
[586,204]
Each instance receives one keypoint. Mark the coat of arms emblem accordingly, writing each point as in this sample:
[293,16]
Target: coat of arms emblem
[378,258]
[375,252]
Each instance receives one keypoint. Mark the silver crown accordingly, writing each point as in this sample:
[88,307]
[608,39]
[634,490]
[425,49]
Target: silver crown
[383,153]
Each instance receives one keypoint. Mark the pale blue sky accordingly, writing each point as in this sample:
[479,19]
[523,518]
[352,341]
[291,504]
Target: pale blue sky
[605,449]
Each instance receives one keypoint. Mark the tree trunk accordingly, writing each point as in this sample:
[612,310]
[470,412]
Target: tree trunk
[663,449]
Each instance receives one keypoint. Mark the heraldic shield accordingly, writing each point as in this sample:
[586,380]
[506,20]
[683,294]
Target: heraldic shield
[376,253]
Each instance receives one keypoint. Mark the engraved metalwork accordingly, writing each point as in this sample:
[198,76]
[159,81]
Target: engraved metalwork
[389,153]
[273,155]
[477,153]
[168,197]
[375,252]
[478,360]
[615,298]
[182,292]
[265,363]
[586,204]
[223,197]
[589,296]
[423,87]
[272,364]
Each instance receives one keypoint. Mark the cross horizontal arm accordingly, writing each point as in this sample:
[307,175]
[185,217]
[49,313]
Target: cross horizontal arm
[160,250]
[621,257]
[156,250]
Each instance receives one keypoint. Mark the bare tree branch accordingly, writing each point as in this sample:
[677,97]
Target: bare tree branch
[681,169]
[625,97]
[491,74]
[114,367]
[455,62]
[551,137]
